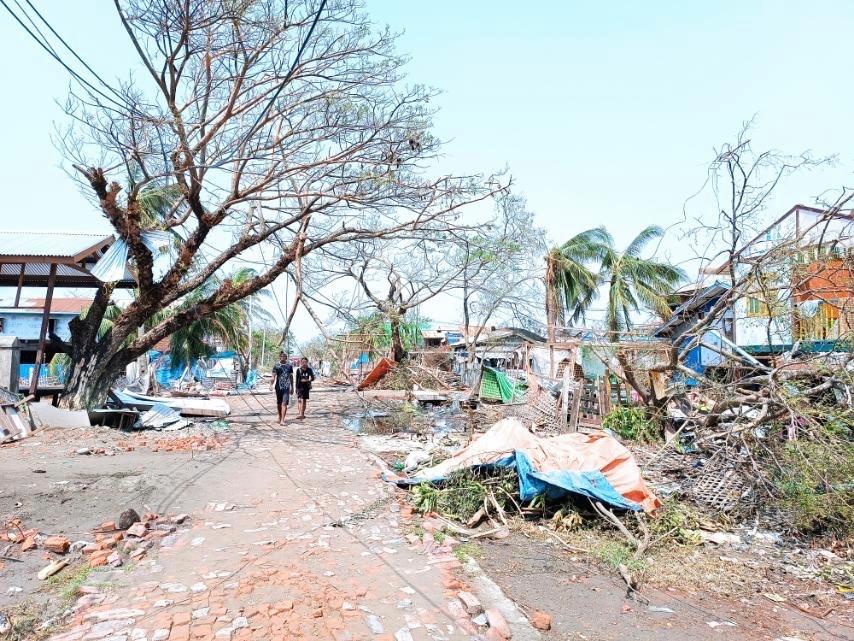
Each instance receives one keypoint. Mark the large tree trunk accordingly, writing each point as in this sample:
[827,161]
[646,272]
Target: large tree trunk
[397,351]
[97,361]
[92,373]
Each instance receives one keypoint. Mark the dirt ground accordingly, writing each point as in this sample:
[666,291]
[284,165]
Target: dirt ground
[291,534]
[591,604]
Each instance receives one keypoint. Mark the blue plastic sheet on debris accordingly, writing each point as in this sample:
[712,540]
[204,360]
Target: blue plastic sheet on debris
[166,373]
[554,485]
[557,484]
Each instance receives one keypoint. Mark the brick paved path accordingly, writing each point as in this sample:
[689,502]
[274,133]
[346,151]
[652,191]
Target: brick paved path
[302,541]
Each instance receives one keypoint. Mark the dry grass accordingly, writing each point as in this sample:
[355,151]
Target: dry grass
[683,567]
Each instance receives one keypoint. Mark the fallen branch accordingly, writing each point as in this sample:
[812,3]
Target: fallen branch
[566,545]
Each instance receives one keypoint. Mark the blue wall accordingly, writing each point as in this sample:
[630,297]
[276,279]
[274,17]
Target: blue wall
[28,326]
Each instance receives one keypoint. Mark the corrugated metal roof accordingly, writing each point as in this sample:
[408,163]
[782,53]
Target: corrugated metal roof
[36,275]
[49,244]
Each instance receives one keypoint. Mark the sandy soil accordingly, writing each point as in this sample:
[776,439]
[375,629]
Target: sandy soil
[588,602]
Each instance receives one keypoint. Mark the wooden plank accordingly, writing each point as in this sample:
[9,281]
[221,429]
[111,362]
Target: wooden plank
[576,406]
[603,401]
[429,395]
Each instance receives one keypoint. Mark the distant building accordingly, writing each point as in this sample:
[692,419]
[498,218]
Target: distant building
[691,305]
[804,292]
[24,322]
[53,260]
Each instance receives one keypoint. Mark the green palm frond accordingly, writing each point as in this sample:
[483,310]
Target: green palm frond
[228,324]
[572,280]
[653,232]
[635,282]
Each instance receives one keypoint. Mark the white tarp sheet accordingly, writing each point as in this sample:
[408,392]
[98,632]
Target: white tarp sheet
[113,264]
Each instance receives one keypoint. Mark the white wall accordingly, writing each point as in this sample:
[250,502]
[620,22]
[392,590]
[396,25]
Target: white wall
[754,330]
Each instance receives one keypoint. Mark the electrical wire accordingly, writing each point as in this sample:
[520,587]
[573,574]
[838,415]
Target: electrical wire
[71,49]
[291,71]
[46,46]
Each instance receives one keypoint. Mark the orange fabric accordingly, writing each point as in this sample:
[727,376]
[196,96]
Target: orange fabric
[380,369]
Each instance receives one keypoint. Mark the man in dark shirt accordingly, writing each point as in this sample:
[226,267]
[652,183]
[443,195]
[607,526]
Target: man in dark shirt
[304,377]
[283,383]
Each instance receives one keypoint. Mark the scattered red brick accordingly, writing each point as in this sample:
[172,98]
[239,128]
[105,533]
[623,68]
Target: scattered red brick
[106,526]
[498,623]
[57,544]
[541,621]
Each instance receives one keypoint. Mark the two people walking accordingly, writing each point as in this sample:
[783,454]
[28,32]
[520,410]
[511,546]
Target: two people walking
[286,378]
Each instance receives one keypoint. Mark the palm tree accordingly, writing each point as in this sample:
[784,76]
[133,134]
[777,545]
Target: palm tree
[634,282]
[571,283]
[577,269]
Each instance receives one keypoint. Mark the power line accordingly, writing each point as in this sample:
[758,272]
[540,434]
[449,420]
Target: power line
[73,52]
[291,70]
[46,46]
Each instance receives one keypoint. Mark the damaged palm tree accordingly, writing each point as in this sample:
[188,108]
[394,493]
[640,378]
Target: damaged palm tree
[275,128]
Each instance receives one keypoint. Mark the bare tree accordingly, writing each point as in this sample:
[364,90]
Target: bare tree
[499,268]
[760,259]
[280,123]
[396,276]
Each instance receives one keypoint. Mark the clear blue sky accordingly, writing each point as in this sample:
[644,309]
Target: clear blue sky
[605,113]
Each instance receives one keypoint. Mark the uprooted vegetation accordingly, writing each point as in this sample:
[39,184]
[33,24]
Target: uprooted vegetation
[471,496]
[634,424]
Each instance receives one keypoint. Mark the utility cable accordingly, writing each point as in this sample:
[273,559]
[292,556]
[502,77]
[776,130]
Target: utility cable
[73,52]
[56,57]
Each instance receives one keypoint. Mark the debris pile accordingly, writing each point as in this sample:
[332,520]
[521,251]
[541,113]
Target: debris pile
[113,543]
[15,419]
[596,466]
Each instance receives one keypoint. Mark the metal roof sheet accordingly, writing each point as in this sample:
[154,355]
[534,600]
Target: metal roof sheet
[36,275]
[49,244]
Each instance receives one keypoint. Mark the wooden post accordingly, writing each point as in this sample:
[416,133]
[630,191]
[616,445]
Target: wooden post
[551,360]
[608,405]
[564,400]
[603,399]
[577,389]
[20,285]
[34,380]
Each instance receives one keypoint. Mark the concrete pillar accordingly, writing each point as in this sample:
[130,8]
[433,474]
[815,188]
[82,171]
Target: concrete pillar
[10,363]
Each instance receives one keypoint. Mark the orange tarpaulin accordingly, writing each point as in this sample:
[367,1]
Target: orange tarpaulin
[380,369]
[595,465]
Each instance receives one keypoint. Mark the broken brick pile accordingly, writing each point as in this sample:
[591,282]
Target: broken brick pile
[31,539]
[113,544]
[195,442]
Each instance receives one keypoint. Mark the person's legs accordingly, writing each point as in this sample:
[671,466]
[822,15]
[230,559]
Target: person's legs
[302,396]
[286,399]
[279,404]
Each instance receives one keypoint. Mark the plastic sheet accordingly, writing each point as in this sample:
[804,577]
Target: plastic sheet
[113,264]
[594,465]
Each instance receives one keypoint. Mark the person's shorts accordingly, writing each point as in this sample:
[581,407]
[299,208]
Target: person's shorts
[302,392]
[283,396]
